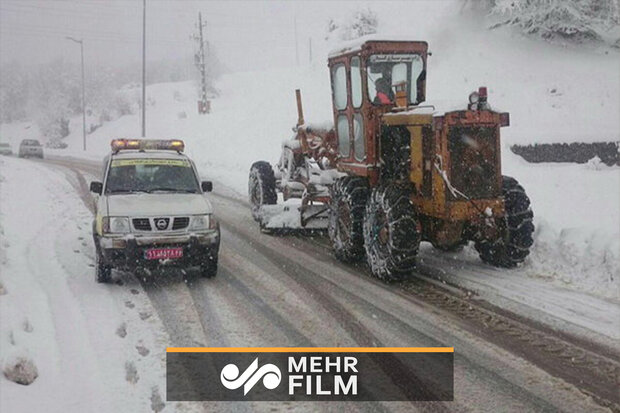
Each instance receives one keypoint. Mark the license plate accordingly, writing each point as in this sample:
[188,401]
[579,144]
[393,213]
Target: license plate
[163,253]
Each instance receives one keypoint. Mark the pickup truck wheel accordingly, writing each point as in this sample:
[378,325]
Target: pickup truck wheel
[103,273]
[208,269]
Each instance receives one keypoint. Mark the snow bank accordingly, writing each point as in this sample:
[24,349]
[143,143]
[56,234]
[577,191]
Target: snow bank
[577,218]
[56,323]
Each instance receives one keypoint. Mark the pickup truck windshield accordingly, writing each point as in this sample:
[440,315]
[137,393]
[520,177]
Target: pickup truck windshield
[30,142]
[151,176]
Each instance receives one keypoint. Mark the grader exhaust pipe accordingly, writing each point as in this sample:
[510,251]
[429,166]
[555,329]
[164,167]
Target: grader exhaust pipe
[300,110]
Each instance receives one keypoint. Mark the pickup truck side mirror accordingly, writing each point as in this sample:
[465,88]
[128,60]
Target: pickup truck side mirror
[96,187]
[207,186]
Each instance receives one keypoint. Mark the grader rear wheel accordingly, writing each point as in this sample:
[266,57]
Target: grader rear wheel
[346,216]
[391,233]
[261,187]
[517,228]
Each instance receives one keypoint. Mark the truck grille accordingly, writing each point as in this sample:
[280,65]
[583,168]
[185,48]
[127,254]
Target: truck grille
[141,224]
[180,223]
[473,161]
[145,224]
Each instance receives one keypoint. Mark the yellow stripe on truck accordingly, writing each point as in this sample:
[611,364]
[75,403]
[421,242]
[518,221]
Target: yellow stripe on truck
[99,224]
[164,162]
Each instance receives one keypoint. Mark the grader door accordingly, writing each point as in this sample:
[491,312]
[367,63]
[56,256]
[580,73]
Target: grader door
[368,81]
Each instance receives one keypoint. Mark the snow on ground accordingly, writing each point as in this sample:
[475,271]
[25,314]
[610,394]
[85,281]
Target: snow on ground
[554,94]
[78,333]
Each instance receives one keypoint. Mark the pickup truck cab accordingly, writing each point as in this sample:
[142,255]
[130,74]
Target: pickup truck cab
[151,210]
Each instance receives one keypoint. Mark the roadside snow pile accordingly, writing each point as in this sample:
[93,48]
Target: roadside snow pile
[577,219]
[586,259]
[20,369]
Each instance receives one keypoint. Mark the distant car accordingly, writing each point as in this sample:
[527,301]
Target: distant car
[5,149]
[30,147]
[152,210]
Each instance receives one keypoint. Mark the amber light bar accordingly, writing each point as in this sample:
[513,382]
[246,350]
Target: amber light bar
[142,144]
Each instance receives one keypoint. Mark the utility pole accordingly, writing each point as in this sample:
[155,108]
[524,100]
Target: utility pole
[143,68]
[200,60]
[81,43]
[310,50]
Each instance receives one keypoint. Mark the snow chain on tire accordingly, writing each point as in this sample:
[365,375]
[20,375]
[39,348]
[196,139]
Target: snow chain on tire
[346,217]
[391,232]
[261,187]
[511,249]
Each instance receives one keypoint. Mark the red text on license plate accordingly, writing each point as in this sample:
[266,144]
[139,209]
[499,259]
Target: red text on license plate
[163,253]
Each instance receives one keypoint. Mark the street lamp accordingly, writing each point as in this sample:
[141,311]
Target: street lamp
[81,43]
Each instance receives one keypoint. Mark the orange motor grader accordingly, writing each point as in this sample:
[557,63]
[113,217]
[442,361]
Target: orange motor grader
[393,171]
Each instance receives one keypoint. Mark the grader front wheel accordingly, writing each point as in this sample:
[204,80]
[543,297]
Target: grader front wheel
[346,216]
[391,235]
[511,248]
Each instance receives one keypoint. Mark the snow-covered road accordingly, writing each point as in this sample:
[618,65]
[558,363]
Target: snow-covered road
[102,347]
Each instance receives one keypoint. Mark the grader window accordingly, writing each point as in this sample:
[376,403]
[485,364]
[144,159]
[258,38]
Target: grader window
[387,70]
[339,84]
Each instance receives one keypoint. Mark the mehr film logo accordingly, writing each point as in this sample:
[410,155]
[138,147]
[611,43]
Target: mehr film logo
[231,379]
[310,374]
[297,379]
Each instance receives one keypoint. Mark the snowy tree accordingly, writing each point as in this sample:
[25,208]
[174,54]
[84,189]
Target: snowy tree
[56,96]
[14,93]
[50,94]
[361,23]
[575,21]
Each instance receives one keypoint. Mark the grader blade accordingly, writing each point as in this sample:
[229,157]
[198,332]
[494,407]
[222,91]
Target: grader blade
[294,217]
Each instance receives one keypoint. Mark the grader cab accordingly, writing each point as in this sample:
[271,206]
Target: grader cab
[394,171]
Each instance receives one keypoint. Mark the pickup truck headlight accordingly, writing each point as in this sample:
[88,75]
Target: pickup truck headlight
[201,223]
[116,225]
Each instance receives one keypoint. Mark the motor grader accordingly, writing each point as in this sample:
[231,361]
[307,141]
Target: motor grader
[394,171]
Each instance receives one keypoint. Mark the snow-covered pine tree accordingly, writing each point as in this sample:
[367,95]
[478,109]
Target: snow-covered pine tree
[575,21]
[361,23]
[14,93]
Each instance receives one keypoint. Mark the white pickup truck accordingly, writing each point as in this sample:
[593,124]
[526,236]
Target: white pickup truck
[152,210]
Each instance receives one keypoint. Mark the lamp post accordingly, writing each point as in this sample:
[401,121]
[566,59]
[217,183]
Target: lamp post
[81,43]
[143,68]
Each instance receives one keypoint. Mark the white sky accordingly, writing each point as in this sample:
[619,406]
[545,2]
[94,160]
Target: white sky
[246,34]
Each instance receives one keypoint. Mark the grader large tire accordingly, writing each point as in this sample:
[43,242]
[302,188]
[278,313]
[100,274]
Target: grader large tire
[513,246]
[346,217]
[261,187]
[391,233]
